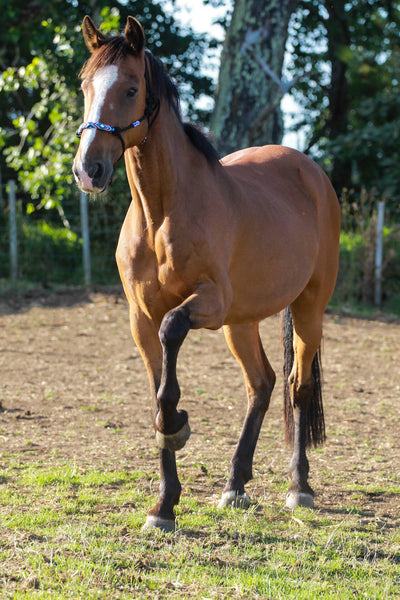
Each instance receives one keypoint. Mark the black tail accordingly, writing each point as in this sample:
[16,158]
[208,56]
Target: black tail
[315,417]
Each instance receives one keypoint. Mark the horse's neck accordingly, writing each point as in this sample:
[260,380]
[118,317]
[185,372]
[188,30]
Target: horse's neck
[155,167]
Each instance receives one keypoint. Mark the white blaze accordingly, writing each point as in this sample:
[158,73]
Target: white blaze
[102,81]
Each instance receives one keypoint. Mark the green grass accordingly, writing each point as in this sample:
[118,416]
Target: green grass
[69,532]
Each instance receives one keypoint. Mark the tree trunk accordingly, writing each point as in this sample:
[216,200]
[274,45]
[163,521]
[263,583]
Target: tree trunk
[338,38]
[247,105]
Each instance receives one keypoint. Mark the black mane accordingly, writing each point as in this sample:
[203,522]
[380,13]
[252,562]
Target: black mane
[166,88]
[117,48]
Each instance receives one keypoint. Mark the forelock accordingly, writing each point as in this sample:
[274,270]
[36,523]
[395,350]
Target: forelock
[110,53]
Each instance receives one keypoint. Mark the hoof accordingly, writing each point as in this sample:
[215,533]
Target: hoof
[232,498]
[295,499]
[153,522]
[174,441]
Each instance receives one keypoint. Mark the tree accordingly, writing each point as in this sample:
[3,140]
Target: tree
[40,103]
[250,87]
[349,100]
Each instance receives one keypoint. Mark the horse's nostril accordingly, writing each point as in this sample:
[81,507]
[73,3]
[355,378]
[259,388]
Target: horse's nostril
[93,176]
[95,171]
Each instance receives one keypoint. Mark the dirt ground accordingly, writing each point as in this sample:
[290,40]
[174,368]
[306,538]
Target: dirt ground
[73,387]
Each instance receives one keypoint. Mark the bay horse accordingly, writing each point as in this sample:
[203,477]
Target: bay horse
[210,243]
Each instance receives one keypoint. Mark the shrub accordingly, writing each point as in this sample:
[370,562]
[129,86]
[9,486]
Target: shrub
[49,253]
[356,279]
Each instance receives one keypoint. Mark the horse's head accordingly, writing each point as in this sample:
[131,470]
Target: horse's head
[114,83]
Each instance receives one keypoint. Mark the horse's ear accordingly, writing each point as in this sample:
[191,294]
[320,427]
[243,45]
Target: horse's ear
[92,36]
[134,34]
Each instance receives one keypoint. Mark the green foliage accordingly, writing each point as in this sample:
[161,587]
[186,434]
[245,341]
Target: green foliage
[356,279]
[46,143]
[40,106]
[351,49]
[391,279]
[49,251]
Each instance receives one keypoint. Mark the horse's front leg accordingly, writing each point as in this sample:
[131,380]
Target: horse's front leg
[145,334]
[207,308]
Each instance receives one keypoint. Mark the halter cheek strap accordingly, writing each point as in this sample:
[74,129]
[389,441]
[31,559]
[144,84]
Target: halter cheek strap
[152,108]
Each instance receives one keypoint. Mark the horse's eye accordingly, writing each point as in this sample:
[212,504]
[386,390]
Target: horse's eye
[131,92]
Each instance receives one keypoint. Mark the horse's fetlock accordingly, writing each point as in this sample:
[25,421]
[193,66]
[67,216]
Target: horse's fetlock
[242,471]
[168,499]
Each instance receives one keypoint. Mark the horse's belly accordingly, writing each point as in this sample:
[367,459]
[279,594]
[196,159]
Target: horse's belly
[255,304]
[264,283]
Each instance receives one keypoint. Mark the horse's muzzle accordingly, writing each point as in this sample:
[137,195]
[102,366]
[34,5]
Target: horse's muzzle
[92,177]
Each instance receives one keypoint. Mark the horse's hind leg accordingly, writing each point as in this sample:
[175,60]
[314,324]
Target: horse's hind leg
[303,403]
[245,344]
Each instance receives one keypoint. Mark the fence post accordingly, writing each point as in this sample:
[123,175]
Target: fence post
[12,206]
[87,271]
[379,252]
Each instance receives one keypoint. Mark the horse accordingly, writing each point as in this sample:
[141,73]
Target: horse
[209,243]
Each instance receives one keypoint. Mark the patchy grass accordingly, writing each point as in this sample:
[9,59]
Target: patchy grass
[77,472]
[70,532]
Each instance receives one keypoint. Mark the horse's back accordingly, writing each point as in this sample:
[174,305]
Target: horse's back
[278,169]
[285,185]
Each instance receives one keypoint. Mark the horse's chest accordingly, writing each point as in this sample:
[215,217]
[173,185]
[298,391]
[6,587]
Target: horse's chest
[159,280]
[173,274]
[174,258]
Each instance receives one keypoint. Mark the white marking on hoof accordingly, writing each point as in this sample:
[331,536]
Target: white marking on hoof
[174,441]
[232,498]
[153,522]
[295,499]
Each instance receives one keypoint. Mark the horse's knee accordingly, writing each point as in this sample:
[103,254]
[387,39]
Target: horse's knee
[174,327]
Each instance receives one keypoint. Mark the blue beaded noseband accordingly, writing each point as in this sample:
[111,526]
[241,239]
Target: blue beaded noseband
[152,108]
[104,127]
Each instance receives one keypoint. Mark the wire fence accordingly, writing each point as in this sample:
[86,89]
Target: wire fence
[76,247]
